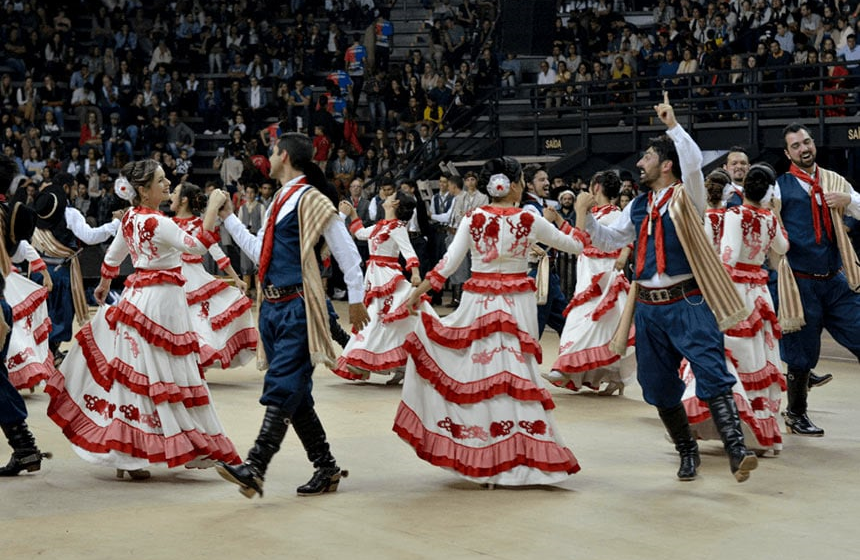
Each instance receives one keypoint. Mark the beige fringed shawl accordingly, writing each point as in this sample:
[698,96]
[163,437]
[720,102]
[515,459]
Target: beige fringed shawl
[833,182]
[716,284]
[45,242]
[315,212]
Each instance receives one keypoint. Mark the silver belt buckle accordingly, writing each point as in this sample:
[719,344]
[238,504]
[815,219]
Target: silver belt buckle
[270,292]
[659,296]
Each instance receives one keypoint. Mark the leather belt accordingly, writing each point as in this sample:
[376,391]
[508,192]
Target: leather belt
[808,276]
[284,293]
[670,294]
[414,234]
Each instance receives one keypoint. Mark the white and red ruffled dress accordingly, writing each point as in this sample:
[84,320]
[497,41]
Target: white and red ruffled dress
[473,401]
[592,317]
[130,392]
[29,359]
[748,234]
[378,347]
[220,313]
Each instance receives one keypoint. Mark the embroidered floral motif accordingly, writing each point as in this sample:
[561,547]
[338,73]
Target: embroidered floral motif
[484,357]
[503,428]
[476,227]
[99,405]
[488,243]
[521,231]
[189,241]
[490,298]
[538,427]
[132,414]
[28,324]
[146,233]
[135,348]
[382,233]
[751,227]
[204,310]
[20,357]
[461,431]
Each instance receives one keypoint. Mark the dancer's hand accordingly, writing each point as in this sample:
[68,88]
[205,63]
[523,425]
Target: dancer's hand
[47,281]
[584,203]
[416,277]
[550,214]
[412,302]
[242,285]
[346,208]
[101,291]
[358,316]
[837,200]
[665,112]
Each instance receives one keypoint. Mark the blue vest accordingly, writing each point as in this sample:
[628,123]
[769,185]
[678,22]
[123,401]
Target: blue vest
[285,268]
[804,254]
[734,200]
[676,260]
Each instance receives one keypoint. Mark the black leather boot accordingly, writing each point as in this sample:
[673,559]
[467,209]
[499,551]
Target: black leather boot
[25,455]
[312,435]
[678,425]
[724,412]
[251,474]
[796,420]
[818,380]
[337,333]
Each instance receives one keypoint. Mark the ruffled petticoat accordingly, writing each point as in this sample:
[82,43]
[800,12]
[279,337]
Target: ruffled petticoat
[130,392]
[592,316]
[378,347]
[472,400]
[221,316]
[29,360]
[753,356]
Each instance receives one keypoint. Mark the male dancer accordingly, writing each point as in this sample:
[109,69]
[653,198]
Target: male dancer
[812,204]
[59,230]
[13,412]
[293,317]
[535,200]
[737,164]
[671,319]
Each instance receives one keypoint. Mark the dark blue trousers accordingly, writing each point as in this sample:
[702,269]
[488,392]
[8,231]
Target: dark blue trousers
[12,407]
[827,304]
[667,333]
[61,310]
[552,312]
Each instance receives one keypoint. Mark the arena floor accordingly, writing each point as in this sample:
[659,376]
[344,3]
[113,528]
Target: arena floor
[624,504]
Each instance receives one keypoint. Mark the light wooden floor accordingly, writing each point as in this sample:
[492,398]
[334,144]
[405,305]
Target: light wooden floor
[624,504]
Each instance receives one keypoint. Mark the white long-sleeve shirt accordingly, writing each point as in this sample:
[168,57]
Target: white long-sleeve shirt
[78,225]
[336,236]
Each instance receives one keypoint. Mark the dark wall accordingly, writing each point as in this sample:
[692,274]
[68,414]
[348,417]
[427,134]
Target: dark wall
[526,25]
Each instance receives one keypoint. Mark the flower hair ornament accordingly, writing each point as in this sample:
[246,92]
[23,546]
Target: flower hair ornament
[768,196]
[123,189]
[499,185]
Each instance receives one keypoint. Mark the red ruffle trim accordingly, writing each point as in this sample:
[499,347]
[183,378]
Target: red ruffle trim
[620,284]
[502,383]
[595,253]
[245,339]
[191,259]
[143,277]
[37,265]
[401,312]
[30,304]
[109,272]
[32,374]
[740,276]
[119,436]
[383,290]
[587,360]
[592,291]
[763,378]
[369,361]
[437,281]
[41,332]
[750,326]
[153,333]
[484,283]
[582,236]
[206,291]
[766,431]
[355,225]
[411,263]
[105,373]
[236,309]
[515,451]
[223,263]
[458,338]
[207,238]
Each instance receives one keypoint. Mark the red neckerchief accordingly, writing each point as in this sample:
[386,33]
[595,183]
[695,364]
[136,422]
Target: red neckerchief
[269,235]
[819,209]
[642,244]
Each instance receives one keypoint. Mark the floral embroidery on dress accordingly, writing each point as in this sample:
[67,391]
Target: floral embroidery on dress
[132,414]
[461,431]
[499,429]
[100,406]
[135,348]
[521,231]
[490,298]
[21,357]
[146,233]
[204,310]
[484,357]
[538,427]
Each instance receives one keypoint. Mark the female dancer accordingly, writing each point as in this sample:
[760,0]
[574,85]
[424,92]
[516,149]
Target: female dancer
[220,314]
[596,307]
[472,399]
[749,232]
[130,392]
[378,347]
[29,360]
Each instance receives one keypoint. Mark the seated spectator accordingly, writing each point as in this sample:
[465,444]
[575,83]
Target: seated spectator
[116,140]
[26,100]
[91,133]
[835,85]
[53,100]
[179,136]
[512,71]
[413,114]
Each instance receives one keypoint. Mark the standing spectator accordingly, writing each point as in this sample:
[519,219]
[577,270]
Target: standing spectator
[384,31]
[355,58]
[321,147]
[251,215]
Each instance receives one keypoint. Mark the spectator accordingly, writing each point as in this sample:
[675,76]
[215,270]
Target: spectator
[27,100]
[384,31]
[91,133]
[322,147]
[52,100]
[116,141]
[343,170]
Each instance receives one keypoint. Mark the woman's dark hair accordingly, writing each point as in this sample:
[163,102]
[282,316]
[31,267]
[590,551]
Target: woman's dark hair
[508,166]
[609,181]
[196,198]
[759,178]
[406,205]
[140,174]
[715,182]
[316,177]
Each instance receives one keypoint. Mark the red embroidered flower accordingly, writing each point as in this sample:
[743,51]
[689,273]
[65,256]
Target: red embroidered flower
[130,412]
[498,429]
[527,219]
[476,226]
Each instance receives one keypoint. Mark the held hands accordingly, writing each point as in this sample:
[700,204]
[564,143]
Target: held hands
[413,300]
[416,277]
[346,208]
[242,285]
[118,214]
[101,291]
[358,316]
[584,203]
[665,112]
[46,280]
[551,215]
